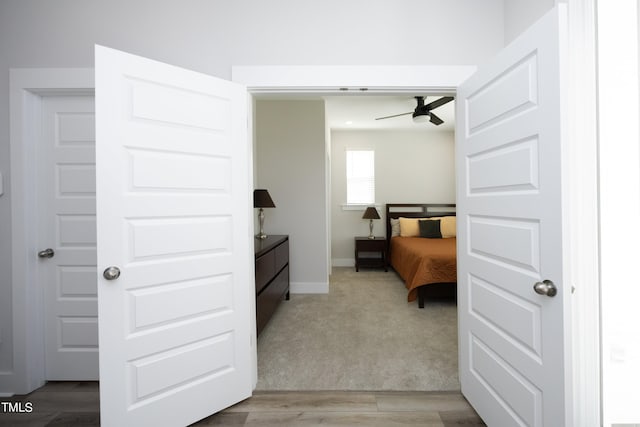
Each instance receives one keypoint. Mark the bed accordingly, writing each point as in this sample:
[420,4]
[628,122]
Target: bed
[427,265]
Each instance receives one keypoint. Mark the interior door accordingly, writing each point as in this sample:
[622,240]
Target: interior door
[510,155]
[174,256]
[67,236]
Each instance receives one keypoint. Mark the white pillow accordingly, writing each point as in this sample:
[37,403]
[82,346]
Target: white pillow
[395,227]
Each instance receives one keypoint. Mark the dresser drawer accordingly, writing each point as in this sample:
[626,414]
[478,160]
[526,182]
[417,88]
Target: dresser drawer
[371,245]
[270,298]
[272,276]
[265,270]
[282,255]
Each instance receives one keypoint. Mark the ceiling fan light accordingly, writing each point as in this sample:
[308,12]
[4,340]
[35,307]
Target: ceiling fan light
[421,118]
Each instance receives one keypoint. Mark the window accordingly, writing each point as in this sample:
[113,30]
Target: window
[361,187]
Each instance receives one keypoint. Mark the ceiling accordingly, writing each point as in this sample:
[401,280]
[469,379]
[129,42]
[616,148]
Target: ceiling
[359,112]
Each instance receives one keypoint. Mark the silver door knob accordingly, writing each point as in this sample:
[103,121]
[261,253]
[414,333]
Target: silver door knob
[111,273]
[546,287]
[47,253]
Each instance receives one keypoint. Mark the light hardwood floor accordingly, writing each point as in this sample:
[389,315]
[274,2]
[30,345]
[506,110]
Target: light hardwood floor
[77,404]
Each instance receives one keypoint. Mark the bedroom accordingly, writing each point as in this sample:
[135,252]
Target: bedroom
[293,142]
[419,154]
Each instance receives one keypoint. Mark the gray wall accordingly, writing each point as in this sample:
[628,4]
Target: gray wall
[520,14]
[212,35]
[290,163]
[410,167]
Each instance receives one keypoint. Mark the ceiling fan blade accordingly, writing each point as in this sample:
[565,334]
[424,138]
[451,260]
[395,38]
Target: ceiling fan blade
[395,115]
[438,102]
[435,119]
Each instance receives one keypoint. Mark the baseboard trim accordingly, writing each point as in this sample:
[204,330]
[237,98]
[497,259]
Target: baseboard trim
[309,287]
[343,262]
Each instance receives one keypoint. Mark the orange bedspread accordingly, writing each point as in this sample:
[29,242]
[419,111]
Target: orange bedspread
[420,261]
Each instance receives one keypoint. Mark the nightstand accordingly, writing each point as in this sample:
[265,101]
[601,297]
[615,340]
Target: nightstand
[371,252]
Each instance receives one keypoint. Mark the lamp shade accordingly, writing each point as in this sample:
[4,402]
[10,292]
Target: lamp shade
[371,213]
[262,199]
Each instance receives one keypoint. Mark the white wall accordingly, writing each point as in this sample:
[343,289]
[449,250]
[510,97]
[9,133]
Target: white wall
[520,14]
[211,36]
[410,167]
[290,164]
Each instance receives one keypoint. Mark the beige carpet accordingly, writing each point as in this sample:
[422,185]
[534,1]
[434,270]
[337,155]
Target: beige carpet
[363,335]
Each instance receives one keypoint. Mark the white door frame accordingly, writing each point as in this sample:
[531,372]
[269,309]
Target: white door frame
[29,85]
[584,214]
[27,89]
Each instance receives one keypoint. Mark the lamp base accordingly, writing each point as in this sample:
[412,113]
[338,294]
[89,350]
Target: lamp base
[371,236]
[261,234]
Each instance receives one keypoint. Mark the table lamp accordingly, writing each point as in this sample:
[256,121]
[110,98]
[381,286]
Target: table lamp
[262,199]
[371,213]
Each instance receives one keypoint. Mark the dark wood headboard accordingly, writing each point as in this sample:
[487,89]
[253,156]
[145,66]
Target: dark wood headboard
[416,210]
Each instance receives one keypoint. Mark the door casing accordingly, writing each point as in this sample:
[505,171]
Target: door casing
[27,89]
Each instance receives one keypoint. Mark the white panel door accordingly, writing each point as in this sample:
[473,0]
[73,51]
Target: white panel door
[67,226]
[173,206]
[513,341]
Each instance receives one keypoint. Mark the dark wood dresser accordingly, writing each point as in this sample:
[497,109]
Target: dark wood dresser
[272,276]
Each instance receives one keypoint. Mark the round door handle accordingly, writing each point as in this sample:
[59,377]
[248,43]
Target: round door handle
[546,287]
[111,273]
[47,253]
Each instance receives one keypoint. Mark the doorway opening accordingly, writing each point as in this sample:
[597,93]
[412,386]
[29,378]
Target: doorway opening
[361,347]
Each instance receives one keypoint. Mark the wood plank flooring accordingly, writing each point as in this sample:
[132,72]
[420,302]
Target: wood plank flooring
[77,404]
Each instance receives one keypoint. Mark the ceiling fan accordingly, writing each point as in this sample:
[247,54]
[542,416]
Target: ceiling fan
[423,113]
